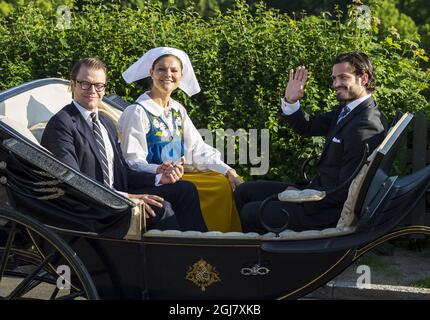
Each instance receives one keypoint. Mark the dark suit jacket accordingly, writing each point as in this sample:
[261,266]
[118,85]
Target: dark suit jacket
[343,148]
[71,140]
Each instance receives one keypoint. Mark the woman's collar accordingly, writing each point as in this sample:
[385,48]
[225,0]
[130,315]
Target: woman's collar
[146,101]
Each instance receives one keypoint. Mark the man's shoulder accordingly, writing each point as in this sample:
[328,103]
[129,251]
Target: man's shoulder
[62,117]
[66,111]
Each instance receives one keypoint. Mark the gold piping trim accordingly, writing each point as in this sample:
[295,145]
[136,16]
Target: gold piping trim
[44,174]
[392,235]
[48,183]
[55,193]
[316,279]
[204,245]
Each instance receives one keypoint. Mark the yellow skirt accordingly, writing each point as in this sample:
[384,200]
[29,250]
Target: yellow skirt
[216,201]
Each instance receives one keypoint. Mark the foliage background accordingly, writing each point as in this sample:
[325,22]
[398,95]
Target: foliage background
[241,56]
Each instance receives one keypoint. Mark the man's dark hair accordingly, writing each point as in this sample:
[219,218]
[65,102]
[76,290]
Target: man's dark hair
[90,63]
[361,64]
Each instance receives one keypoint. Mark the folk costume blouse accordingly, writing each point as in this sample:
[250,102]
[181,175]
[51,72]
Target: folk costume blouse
[148,128]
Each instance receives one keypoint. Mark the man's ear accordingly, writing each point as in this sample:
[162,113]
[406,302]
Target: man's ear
[71,87]
[364,79]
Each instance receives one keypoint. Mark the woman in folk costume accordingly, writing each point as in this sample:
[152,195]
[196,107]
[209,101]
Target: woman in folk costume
[158,134]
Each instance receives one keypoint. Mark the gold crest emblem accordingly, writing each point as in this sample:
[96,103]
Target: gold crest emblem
[202,274]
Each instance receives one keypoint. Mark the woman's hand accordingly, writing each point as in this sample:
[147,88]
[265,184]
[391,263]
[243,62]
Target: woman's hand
[148,199]
[173,173]
[233,178]
[165,167]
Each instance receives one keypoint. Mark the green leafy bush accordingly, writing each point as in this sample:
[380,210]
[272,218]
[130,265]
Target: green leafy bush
[241,60]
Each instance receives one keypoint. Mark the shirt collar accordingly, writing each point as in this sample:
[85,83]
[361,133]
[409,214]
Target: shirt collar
[146,101]
[356,102]
[85,112]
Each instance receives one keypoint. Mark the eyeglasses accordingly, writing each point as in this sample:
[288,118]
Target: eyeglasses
[85,85]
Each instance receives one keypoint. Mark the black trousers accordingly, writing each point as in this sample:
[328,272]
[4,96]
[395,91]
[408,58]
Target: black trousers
[249,195]
[182,212]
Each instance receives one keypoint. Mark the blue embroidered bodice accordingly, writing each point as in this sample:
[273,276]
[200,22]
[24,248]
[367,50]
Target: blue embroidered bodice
[162,143]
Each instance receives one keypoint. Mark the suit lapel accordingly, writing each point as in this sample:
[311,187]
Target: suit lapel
[119,165]
[111,135]
[368,103]
[85,130]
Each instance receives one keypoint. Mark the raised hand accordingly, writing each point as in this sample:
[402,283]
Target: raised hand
[296,84]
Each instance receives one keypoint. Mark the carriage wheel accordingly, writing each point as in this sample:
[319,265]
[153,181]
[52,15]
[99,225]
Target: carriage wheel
[35,263]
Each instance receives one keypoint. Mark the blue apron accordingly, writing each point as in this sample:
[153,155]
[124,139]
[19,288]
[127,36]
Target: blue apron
[162,143]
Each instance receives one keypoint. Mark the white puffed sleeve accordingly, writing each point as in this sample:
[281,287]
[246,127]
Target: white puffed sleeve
[197,153]
[134,125]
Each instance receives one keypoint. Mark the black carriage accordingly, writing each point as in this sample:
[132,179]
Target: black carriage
[41,255]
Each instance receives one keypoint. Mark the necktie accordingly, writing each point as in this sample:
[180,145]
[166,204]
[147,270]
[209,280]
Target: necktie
[101,146]
[343,113]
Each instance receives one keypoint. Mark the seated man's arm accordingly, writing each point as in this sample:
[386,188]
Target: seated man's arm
[306,125]
[354,146]
[294,115]
[58,138]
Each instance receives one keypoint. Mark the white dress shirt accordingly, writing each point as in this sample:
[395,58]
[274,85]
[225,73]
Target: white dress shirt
[108,146]
[134,125]
[109,150]
[290,108]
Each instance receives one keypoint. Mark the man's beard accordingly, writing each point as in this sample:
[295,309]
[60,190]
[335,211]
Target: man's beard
[347,95]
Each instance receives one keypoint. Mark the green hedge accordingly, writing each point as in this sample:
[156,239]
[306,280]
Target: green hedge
[241,61]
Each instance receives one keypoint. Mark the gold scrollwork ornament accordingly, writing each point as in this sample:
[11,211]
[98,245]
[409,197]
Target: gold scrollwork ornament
[202,274]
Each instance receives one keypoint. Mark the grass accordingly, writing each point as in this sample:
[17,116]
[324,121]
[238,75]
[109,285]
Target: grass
[382,267]
[422,283]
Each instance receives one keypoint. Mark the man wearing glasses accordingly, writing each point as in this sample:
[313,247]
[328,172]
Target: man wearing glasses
[82,137]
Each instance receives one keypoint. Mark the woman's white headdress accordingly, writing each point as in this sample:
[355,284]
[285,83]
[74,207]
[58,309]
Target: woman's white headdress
[140,69]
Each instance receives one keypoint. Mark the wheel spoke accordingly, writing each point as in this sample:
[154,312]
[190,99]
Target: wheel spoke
[31,286]
[6,251]
[71,295]
[30,266]
[54,293]
[21,288]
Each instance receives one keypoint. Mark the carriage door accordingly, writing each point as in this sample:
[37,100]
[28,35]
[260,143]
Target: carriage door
[197,268]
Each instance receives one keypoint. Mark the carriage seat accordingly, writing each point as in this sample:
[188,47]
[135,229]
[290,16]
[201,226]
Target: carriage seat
[344,226]
[347,223]
[33,104]
[79,182]
[18,127]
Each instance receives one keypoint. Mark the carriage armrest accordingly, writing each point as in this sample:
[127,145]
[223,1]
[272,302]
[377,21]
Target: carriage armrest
[306,195]
[137,221]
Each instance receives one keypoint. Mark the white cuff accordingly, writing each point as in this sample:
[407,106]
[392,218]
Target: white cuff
[157,179]
[289,108]
[142,166]
[124,194]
